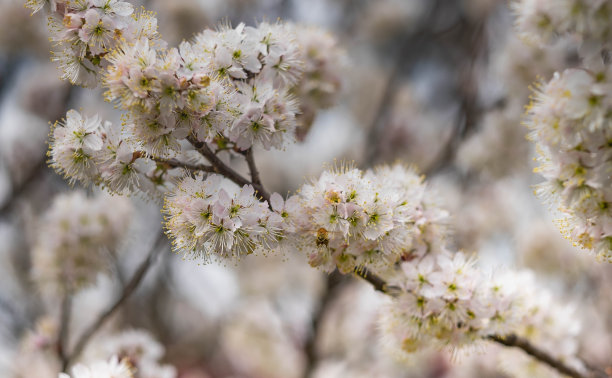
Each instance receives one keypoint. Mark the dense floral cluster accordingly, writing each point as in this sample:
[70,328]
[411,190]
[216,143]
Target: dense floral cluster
[570,121]
[87,150]
[212,217]
[350,219]
[232,88]
[543,21]
[346,219]
[445,301]
[85,31]
[75,238]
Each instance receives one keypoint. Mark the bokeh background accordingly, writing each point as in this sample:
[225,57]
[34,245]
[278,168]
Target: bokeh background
[438,84]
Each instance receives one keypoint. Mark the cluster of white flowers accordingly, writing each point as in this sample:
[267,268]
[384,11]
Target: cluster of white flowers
[75,238]
[347,219]
[445,301]
[84,31]
[232,88]
[543,21]
[88,150]
[212,217]
[228,86]
[113,368]
[570,121]
[138,349]
[350,219]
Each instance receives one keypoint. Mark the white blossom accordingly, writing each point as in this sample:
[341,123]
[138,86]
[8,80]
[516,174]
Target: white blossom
[210,217]
[351,219]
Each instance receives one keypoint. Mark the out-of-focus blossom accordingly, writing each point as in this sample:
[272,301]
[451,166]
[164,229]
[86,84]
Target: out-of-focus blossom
[76,237]
[569,121]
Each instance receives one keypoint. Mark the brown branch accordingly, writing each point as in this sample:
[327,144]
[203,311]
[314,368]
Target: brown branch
[513,340]
[510,340]
[218,165]
[250,159]
[225,170]
[64,326]
[175,163]
[469,112]
[128,290]
[334,279]
[18,189]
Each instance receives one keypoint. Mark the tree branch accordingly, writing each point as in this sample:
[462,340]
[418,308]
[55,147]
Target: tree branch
[378,283]
[223,169]
[510,340]
[310,345]
[174,163]
[128,290]
[250,159]
[18,189]
[64,327]
[513,340]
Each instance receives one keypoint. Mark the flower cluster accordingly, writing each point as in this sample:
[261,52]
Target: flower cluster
[76,236]
[139,350]
[543,21]
[350,219]
[229,89]
[112,368]
[85,31]
[570,122]
[445,301]
[88,150]
[211,217]
[230,85]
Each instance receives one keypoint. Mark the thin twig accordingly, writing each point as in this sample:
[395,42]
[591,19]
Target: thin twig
[34,174]
[408,44]
[469,113]
[250,159]
[510,340]
[333,280]
[19,188]
[378,283]
[174,163]
[64,327]
[128,290]
[223,169]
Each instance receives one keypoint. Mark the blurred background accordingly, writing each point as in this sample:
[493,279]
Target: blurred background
[439,84]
